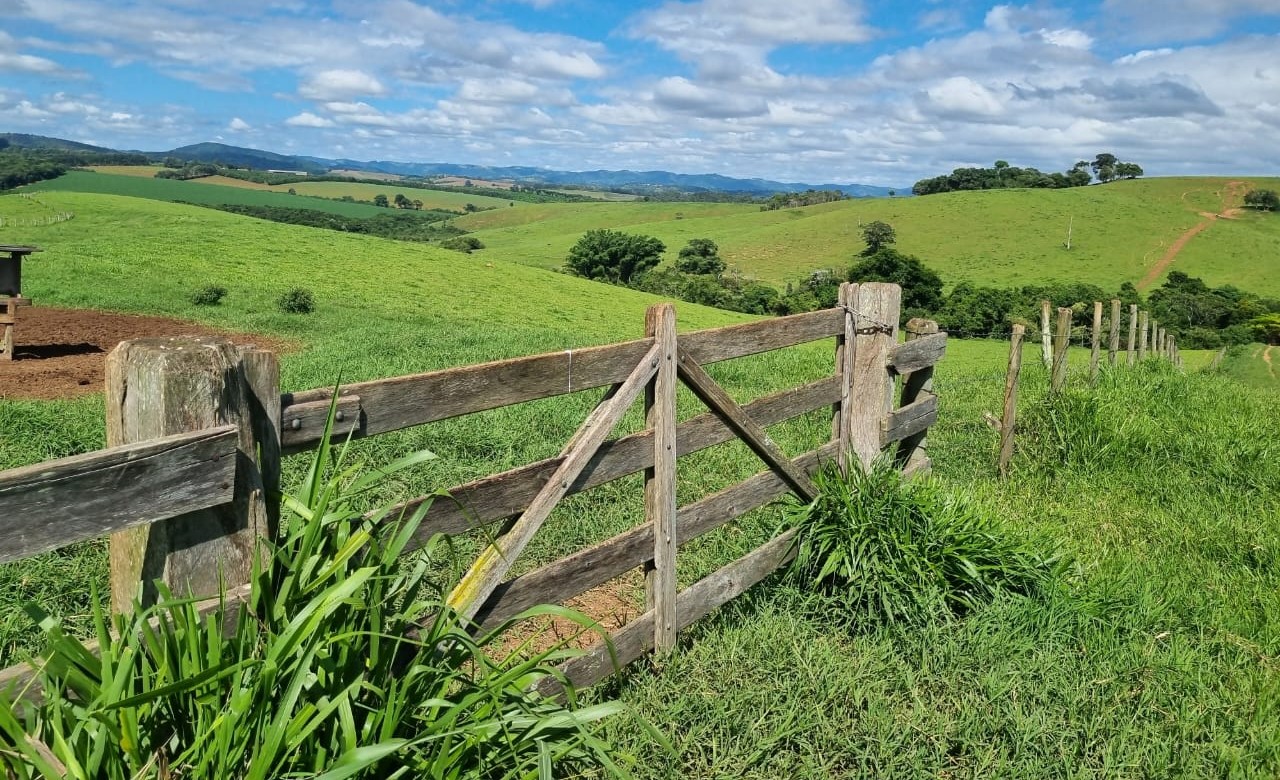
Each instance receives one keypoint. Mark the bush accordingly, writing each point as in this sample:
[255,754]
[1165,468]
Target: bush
[345,662]
[878,549]
[209,295]
[299,300]
[466,244]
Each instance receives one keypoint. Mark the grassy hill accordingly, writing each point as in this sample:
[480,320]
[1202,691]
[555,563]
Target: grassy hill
[1120,232]
[1154,658]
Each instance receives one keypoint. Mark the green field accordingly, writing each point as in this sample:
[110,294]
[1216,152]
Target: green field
[1156,658]
[1254,364]
[431,199]
[194,191]
[995,237]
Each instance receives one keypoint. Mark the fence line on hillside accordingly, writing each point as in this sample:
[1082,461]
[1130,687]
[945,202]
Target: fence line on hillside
[1145,337]
[189,507]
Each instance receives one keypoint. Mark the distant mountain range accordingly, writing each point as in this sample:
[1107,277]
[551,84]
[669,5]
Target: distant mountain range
[264,160]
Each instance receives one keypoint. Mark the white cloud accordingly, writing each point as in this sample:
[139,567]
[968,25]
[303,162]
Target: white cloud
[308,119]
[238,125]
[336,84]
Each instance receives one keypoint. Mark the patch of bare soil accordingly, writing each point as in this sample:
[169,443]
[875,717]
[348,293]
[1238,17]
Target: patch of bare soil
[612,605]
[61,353]
[1232,196]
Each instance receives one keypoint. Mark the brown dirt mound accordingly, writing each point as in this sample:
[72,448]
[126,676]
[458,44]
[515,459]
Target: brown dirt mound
[61,353]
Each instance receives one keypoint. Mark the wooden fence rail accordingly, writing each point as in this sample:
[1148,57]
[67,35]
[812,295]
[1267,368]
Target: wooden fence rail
[219,483]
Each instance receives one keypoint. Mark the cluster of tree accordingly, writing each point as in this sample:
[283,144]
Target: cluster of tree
[1105,167]
[401,201]
[1262,200]
[791,200]
[185,171]
[700,275]
[17,169]
[399,225]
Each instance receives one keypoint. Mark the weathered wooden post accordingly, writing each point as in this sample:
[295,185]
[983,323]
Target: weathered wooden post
[913,451]
[845,348]
[876,314]
[1143,336]
[660,480]
[1061,341]
[1097,341]
[1046,335]
[1133,330]
[1115,332]
[1008,420]
[162,386]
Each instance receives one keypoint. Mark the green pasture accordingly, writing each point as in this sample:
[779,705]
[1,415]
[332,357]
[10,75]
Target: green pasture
[194,191]
[995,237]
[431,199]
[1246,363]
[1155,658]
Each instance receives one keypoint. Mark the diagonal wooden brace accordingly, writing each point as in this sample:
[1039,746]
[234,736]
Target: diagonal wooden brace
[747,429]
[492,565]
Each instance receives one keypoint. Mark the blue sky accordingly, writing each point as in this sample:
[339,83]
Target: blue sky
[870,91]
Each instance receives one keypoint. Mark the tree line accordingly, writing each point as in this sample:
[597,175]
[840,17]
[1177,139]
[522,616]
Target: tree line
[1105,167]
[19,166]
[400,225]
[1199,316]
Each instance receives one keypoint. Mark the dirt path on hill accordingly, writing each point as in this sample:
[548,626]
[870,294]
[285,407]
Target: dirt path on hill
[1232,198]
[1266,358]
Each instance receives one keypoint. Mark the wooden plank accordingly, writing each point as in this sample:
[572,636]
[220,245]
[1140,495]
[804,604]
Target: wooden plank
[845,348]
[400,402]
[508,494]
[1046,334]
[53,504]
[559,581]
[751,432]
[1133,331]
[302,425]
[709,593]
[1008,421]
[735,341]
[492,565]
[1096,347]
[1115,332]
[909,420]
[913,450]
[660,479]
[1061,342]
[262,384]
[877,311]
[918,353]
[1143,337]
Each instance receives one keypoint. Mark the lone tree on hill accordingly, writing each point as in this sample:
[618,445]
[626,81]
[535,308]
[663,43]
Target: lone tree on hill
[878,235]
[700,256]
[614,256]
[921,287]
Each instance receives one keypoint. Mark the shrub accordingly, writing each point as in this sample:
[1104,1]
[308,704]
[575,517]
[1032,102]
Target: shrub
[345,662]
[876,548]
[209,295]
[298,300]
[466,244]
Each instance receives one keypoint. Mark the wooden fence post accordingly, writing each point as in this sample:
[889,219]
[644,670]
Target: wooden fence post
[1046,335]
[1060,349]
[876,324]
[1008,420]
[162,386]
[1143,336]
[1115,332]
[913,450]
[1097,341]
[846,346]
[660,480]
[1133,330]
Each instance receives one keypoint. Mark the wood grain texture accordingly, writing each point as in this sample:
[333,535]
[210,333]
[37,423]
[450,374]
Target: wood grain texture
[1046,333]
[1143,336]
[909,420]
[1114,346]
[162,386]
[1133,332]
[877,312]
[914,449]
[1096,348]
[918,353]
[841,413]
[735,341]
[497,559]
[300,425]
[745,428]
[660,478]
[1008,421]
[60,502]
[1062,340]
[507,494]
[575,574]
